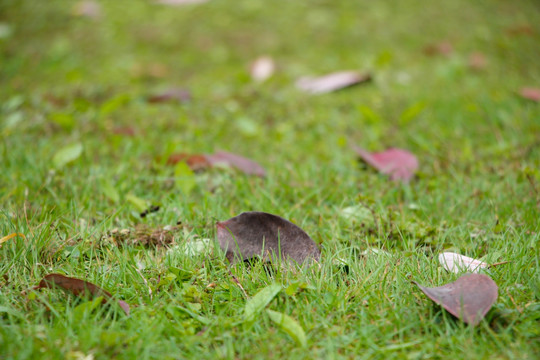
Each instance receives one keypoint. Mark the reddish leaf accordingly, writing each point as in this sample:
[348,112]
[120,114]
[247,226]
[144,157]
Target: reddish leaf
[78,287]
[468,298]
[530,94]
[262,68]
[87,8]
[444,48]
[477,61]
[243,164]
[124,130]
[332,82]
[180,2]
[257,233]
[399,164]
[171,95]
[195,162]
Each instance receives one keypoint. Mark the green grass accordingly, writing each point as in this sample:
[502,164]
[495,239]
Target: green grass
[67,80]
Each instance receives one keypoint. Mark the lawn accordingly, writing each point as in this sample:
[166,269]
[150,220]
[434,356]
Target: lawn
[84,146]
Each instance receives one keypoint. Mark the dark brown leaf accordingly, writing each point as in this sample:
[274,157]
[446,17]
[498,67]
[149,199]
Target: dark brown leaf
[468,298]
[243,164]
[399,164]
[332,82]
[78,287]
[257,233]
[530,94]
[124,130]
[171,95]
[520,30]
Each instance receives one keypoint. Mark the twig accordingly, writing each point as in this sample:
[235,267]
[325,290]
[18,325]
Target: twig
[145,282]
[498,263]
[239,285]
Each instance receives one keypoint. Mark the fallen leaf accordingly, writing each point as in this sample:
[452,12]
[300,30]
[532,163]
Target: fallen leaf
[444,48]
[180,2]
[10,236]
[520,30]
[262,68]
[530,93]
[178,95]
[332,82]
[196,162]
[477,61]
[257,233]
[243,164]
[456,263]
[124,130]
[78,287]
[289,325]
[259,301]
[67,154]
[87,8]
[468,298]
[397,163]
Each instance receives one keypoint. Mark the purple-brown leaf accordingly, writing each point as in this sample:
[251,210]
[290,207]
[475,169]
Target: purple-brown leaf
[78,287]
[243,164]
[332,82]
[468,298]
[178,95]
[397,163]
[257,233]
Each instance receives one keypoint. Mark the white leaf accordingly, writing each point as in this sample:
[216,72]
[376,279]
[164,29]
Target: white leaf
[262,68]
[456,263]
[331,82]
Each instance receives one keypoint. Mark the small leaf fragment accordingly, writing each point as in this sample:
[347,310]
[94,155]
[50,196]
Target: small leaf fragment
[258,302]
[289,325]
[456,263]
[468,298]
[78,287]
[332,82]
[67,154]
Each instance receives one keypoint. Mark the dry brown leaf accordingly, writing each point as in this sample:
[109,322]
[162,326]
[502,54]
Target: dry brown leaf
[477,61]
[78,287]
[178,95]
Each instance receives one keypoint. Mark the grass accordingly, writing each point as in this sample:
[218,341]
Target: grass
[69,79]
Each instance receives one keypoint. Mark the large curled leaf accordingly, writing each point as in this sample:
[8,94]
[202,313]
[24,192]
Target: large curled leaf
[397,163]
[289,325]
[258,302]
[257,233]
[78,287]
[468,298]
